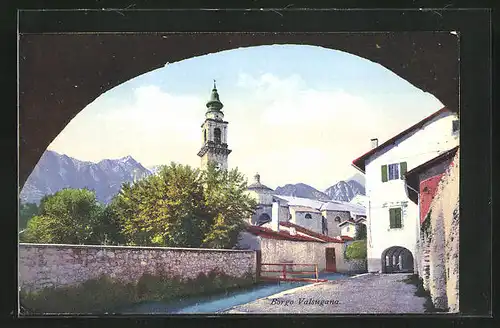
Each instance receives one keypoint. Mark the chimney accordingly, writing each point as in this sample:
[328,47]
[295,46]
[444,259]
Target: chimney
[275,225]
[257,178]
[374,142]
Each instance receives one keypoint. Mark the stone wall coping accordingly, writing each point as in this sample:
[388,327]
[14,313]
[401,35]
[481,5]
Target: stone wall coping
[135,247]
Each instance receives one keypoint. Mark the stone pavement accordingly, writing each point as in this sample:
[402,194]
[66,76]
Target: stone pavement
[367,293]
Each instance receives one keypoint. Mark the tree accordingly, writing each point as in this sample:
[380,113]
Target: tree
[166,209]
[70,216]
[228,203]
[26,212]
[356,250]
[360,231]
[184,207]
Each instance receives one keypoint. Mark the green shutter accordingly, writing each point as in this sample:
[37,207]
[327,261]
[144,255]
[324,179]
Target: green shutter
[391,218]
[397,218]
[384,173]
[402,169]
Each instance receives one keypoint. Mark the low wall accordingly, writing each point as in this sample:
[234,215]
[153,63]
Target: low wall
[439,245]
[356,266]
[43,265]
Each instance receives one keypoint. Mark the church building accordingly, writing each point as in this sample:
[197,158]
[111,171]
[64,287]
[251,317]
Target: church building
[214,134]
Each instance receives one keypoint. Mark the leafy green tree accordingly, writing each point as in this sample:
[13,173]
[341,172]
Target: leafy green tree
[228,203]
[26,212]
[70,216]
[184,207]
[356,250]
[360,231]
[166,209]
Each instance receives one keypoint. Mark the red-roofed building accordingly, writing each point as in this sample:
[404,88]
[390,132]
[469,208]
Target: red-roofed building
[295,244]
[393,216]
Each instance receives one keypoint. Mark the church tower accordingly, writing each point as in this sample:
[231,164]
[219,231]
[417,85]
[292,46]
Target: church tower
[214,134]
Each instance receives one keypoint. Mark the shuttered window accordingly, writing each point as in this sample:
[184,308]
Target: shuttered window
[393,171]
[395,218]
[384,173]
[402,169]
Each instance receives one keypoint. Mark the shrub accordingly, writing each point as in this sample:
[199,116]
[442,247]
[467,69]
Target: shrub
[106,295]
[356,250]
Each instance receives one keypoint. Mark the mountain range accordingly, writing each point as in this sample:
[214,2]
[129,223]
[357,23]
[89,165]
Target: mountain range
[56,171]
[342,191]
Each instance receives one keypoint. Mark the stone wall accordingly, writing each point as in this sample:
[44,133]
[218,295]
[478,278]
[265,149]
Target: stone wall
[43,265]
[439,246]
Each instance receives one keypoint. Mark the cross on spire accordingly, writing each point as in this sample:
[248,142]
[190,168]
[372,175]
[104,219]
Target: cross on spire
[215,88]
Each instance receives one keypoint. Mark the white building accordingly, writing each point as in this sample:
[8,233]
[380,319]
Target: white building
[392,221]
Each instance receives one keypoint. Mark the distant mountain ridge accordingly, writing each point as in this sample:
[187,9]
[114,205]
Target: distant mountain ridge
[342,191]
[55,172]
[345,191]
[301,190]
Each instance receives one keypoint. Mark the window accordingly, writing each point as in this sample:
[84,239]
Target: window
[205,136]
[395,218]
[337,219]
[393,171]
[455,126]
[308,216]
[347,229]
[217,135]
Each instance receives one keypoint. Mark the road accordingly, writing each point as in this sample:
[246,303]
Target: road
[368,293]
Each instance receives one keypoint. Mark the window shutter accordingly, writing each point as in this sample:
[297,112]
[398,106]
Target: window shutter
[384,173]
[391,218]
[402,169]
[397,218]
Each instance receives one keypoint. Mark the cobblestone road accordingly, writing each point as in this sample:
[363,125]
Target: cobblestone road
[368,293]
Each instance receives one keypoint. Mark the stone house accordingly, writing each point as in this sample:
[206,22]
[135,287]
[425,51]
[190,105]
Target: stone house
[295,244]
[392,220]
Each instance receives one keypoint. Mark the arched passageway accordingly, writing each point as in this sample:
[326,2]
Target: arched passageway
[397,259]
[60,74]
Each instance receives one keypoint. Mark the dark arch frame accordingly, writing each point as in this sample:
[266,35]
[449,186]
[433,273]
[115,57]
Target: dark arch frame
[397,259]
[60,74]
[308,216]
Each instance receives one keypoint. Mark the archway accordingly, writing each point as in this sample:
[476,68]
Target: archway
[59,74]
[397,259]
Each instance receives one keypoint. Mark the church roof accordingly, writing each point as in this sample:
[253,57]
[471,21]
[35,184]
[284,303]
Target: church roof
[214,102]
[257,185]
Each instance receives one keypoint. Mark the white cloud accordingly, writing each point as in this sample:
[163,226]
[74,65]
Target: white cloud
[286,130]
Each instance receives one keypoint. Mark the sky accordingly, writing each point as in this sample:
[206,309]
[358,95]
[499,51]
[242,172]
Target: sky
[296,113]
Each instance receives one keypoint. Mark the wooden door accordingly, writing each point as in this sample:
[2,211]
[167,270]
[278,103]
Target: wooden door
[331,265]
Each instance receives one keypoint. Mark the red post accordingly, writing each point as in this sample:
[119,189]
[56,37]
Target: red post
[316,269]
[284,271]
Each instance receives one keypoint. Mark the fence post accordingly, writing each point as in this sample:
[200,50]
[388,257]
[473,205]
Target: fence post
[316,269]
[284,271]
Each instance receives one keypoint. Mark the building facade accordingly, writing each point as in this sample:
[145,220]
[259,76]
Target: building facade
[393,223]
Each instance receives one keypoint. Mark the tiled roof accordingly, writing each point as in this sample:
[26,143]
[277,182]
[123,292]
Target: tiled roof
[346,238]
[297,208]
[299,201]
[359,162]
[310,232]
[282,235]
[344,206]
[347,222]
